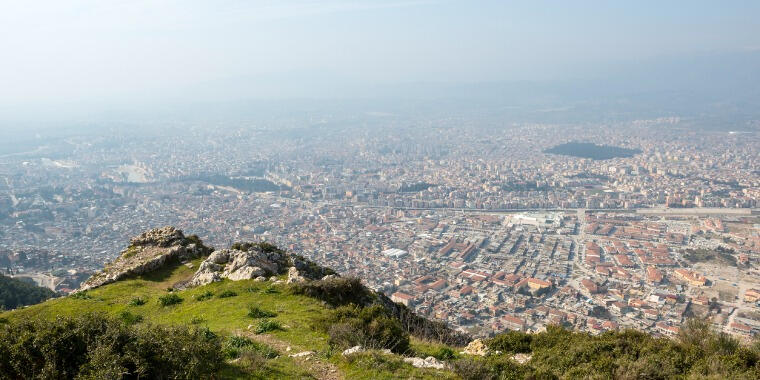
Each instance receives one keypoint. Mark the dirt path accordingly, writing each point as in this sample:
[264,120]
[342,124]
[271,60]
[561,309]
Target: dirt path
[320,369]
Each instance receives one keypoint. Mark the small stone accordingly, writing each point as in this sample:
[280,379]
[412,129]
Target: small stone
[353,350]
[522,358]
[429,362]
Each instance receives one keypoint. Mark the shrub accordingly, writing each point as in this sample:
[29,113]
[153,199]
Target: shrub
[256,312]
[227,294]
[370,327]
[169,299]
[137,301]
[473,369]
[236,346]
[83,295]
[205,296]
[510,342]
[197,320]
[444,353]
[129,318]
[336,291]
[96,346]
[267,326]
[15,293]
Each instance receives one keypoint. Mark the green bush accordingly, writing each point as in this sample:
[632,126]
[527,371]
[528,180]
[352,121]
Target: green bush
[130,318]
[336,291]
[98,347]
[267,326]
[137,301]
[16,293]
[227,294]
[473,369]
[197,320]
[371,327]
[83,295]
[444,353]
[256,312]
[205,296]
[236,346]
[169,299]
[510,342]
[698,352]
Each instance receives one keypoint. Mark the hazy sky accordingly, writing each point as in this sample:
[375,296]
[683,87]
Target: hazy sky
[103,51]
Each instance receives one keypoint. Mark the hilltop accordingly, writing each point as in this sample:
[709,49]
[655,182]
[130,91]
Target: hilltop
[171,307]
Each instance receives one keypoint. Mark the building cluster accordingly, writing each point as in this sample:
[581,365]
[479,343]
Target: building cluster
[475,227]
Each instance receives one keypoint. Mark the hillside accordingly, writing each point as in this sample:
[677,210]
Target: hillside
[16,293]
[286,317]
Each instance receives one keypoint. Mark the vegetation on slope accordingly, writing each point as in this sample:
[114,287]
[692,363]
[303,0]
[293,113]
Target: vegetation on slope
[16,293]
[94,346]
[698,352]
[272,316]
[248,329]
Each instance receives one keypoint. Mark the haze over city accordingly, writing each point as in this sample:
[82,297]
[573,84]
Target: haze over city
[502,169]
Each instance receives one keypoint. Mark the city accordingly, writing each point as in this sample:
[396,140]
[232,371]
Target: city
[480,227]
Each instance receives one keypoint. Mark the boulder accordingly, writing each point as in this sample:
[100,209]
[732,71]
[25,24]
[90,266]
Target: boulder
[476,347]
[294,276]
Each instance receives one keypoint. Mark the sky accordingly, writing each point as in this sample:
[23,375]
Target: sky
[94,53]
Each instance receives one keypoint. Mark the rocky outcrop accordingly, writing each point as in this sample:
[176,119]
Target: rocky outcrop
[254,261]
[148,252]
[236,264]
[158,237]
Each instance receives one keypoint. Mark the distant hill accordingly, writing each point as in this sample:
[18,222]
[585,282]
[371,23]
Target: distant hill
[16,293]
[254,311]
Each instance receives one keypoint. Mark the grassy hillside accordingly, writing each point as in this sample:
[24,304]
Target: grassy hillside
[224,307]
